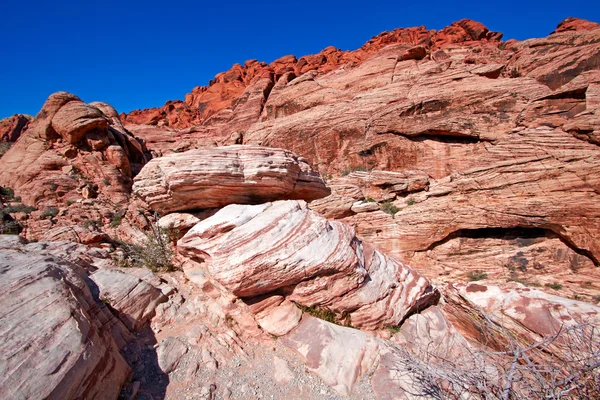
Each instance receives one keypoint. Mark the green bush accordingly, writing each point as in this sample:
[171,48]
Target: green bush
[389,208]
[554,285]
[49,212]
[477,275]
[370,200]
[393,329]
[321,313]
[4,146]
[8,226]
[410,201]
[20,208]
[7,192]
[153,253]
[117,218]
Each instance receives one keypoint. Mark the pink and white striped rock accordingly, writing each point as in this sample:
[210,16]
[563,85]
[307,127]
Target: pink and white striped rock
[283,246]
[528,312]
[216,177]
[58,340]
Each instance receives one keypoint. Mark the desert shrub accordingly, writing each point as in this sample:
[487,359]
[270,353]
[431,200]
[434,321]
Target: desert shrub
[8,226]
[4,146]
[370,200]
[389,207]
[565,365]
[154,252]
[7,192]
[321,313]
[117,218]
[410,201]
[393,329]
[92,223]
[554,285]
[477,275]
[49,212]
[20,208]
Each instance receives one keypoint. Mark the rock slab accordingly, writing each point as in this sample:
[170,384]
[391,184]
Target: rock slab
[216,177]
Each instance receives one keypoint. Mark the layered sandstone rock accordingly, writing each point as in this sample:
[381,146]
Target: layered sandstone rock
[57,335]
[75,164]
[228,89]
[215,177]
[12,127]
[527,312]
[134,300]
[313,261]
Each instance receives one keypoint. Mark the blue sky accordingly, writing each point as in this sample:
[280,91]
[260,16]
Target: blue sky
[139,54]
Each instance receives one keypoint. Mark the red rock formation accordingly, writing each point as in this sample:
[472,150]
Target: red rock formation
[75,165]
[12,127]
[575,24]
[224,90]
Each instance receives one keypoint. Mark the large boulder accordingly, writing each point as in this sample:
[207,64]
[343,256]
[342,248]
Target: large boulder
[57,340]
[72,155]
[75,118]
[285,247]
[216,177]
[133,299]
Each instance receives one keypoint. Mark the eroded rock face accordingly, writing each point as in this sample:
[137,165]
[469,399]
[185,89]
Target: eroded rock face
[12,127]
[244,87]
[285,247]
[133,299]
[528,312]
[57,338]
[216,177]
[340,355]
[75,164]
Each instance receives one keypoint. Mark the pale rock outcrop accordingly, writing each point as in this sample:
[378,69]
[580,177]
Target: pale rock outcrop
[339,355]
[134,300]
[215,177]
[57,340]
[255,250]
[527,312]
[279,319]
[169,352]
[178,221]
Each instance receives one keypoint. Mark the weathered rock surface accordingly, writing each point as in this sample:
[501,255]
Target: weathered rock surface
[12,127]
[314,261]
[210,178]
[244,88]
[463,156]
[134,300]
[74,163]
[529,313]
[339,355]
[57,339]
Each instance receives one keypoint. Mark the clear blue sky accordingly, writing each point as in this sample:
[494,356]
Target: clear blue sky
[138,54]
